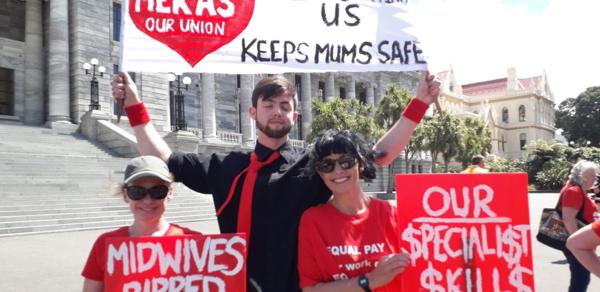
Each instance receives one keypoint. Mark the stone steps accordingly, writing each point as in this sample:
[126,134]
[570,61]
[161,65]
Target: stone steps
[67,205]
[53,182]
[111,223]
[118,211]
[93,218]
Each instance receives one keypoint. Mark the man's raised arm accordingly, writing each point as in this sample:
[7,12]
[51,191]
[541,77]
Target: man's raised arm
[149,141]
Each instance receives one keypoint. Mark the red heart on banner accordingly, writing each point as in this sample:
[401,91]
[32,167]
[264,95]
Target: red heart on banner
[192,28]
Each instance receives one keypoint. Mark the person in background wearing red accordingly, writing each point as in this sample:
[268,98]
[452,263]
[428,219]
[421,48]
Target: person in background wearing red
[575,203]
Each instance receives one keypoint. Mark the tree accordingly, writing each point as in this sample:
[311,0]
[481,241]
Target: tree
[414,146]
[540,155]
[442,137]
[344,114]
[388,112]
[580,117]
[476,138]
[506,165]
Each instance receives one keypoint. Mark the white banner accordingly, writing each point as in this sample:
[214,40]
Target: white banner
[268,36]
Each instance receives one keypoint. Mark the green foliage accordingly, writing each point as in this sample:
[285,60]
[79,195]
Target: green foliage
[391,106]
[549,163]
[442,136]
[344,115]
[476,138]
[553,174]
[506,165]
[588,153]
[388,112]
[542,152]
[580,117]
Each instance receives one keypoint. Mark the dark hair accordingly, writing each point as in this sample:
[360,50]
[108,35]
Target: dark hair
[273,86]
[343,142]
[476,159]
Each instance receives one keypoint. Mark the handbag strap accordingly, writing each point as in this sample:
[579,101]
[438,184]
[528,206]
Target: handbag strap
[579,214]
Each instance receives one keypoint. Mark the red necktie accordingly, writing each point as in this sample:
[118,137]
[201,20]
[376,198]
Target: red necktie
[245,209]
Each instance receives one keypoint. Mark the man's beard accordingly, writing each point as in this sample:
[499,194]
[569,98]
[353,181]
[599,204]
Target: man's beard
[271,133]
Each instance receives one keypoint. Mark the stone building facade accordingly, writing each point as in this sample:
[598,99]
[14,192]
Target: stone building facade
[517,110]
[44,45]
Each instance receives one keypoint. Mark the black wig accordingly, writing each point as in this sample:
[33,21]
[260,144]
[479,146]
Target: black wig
[343,142]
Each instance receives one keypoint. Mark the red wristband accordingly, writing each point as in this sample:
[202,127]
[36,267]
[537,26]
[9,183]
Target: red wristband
[137,114]
[415,110]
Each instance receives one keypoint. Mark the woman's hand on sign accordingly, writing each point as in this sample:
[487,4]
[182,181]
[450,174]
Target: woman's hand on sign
[123,89]
[428,89]
[388,267]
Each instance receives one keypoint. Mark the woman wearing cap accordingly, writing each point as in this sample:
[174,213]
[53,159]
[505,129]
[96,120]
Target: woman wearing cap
[349,243]
[147,189]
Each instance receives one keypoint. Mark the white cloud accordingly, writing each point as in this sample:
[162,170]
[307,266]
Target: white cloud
[482,38]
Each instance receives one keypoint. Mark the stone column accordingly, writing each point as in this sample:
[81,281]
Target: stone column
[58,63]
[306,105]
[370,94]
[330,87]
[351,88]
[209,121]
[248,129]
[34,74]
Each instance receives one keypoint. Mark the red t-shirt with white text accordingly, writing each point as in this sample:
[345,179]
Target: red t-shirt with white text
[96,263]
[335,246]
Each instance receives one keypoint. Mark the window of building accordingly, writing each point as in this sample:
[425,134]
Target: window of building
[420,168]
[298,85]
[299,127]
[505,115]
[296,132]
[239,118]
[172,105]
[342,93]
[521,113]
[362,95]
[413,169]
[321,91]
[116,33]
[523,140]
[7,92]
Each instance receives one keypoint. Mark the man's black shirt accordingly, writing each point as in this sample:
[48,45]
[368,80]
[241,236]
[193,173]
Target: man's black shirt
[281,195]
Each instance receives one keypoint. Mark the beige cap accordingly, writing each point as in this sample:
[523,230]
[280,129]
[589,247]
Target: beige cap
[145,166]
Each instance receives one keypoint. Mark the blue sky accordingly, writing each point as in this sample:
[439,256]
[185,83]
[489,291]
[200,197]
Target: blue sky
[533,6]
[480,39]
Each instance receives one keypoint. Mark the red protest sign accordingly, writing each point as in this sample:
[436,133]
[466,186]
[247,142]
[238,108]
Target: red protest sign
[193,29]
[465,232]
[176,263]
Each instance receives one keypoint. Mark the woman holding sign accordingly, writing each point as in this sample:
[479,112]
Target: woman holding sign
[147,189]
[351,242]
[575,204]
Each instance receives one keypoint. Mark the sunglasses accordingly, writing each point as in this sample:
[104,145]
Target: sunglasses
[328,165]
[156,193]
